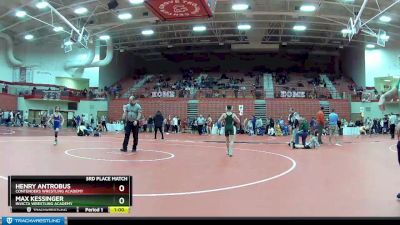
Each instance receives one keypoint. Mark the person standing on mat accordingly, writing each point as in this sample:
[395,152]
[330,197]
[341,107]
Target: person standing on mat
[229,118]
[158,124]
[131,116]
[58,121]
[103,123]
[394,92]
[398,149]
[333,127]
[392,122]
[320,124]
[200,124]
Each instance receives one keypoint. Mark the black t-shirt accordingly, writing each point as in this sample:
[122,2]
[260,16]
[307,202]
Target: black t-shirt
[296,123]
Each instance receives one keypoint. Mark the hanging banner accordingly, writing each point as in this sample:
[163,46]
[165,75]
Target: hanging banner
[22,74]
[181,9]
[241,108]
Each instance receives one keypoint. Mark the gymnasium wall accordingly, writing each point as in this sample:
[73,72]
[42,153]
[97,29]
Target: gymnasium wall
[6,70]
[26,105]
[215,107]
[8,102]
[382,62]
[354,65]
[84,107]
[150,107]
[342,108]
[276,108]
[372,110]
[49,61]
[116,70]
[91,107]
[78,84]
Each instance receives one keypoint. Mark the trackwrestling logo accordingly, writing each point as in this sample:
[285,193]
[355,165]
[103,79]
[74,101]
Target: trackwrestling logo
[33,220]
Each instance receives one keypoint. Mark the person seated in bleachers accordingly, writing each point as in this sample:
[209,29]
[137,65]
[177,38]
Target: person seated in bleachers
[249,128]
[285,130]
[259,125]
[278,130]
[271,131]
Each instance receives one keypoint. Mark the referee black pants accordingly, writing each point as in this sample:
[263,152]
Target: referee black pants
[129,127]
[155,132]
[392,127]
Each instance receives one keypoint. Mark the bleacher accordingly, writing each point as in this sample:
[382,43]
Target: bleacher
[224,88]
[299,82]
[343,85]
[49,91]
[152,85]
[126,83]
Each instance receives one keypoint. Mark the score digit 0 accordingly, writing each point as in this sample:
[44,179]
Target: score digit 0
[121,188]
[121,200]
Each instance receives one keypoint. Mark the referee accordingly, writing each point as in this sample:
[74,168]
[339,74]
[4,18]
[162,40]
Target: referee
[131,116]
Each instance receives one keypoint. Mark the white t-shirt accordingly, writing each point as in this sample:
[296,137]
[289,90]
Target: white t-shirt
[175,121]
[392,119]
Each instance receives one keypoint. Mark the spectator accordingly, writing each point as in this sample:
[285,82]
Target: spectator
[392,122]
[144,123]
[200,124]
[259,125]
[103,123]
[158,124]
[209,124]
[250,128]
[320,124]
[167,123]
[333,127]
[150,124]
[179,125]
[175,124]
[253,121]
[303,132]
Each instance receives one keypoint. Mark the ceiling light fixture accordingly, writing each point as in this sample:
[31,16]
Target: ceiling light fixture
[81,10]
[42,4]
[244,27]
[125,16]
[240,7]
[308,8]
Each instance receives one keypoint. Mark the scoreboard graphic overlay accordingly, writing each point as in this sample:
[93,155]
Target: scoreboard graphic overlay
[70,194]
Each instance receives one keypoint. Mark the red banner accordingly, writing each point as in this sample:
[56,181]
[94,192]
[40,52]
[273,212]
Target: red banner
[180,9]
